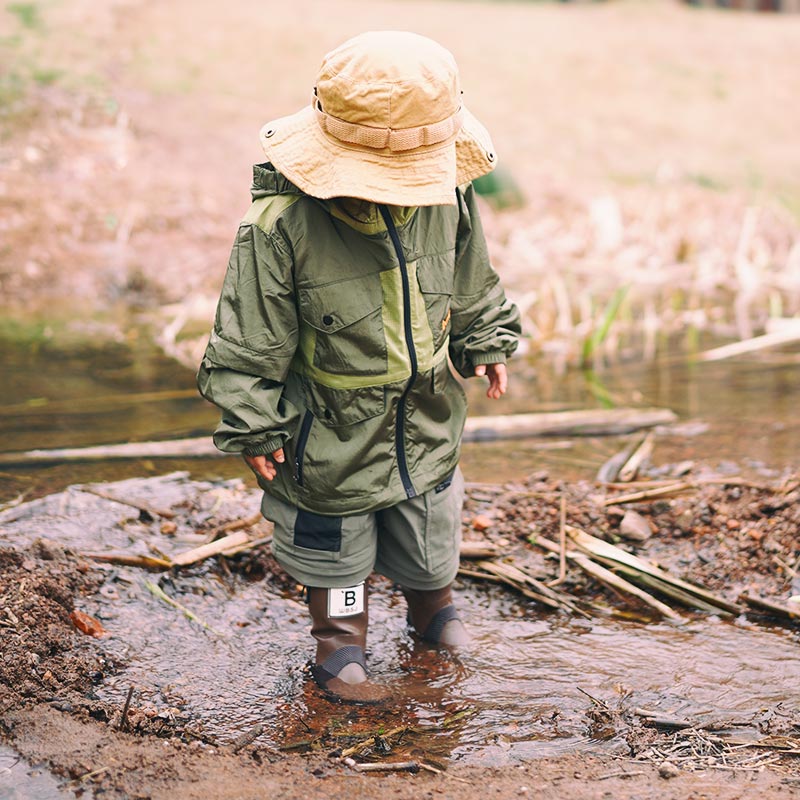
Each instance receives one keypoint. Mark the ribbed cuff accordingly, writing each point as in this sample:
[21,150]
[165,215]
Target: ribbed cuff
[265,448]
[498,357]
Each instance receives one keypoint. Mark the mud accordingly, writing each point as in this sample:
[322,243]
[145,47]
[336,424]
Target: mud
[55,708]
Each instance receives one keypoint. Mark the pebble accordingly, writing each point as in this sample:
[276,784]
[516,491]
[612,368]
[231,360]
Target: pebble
[668,770]
[482,522]
[634,527]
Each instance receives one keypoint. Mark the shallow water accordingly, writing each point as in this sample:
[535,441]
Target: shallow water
[516,693]
[736,412]
[19,780]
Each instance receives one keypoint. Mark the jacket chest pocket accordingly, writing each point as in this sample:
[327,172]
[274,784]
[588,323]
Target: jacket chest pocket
[347,318]
[435,279]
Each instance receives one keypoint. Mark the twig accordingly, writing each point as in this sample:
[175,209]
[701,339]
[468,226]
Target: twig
[651,494]
[247,738]
[161,595]
[153,512]
[123,721]
[383,766]
[562,542]
[620,774]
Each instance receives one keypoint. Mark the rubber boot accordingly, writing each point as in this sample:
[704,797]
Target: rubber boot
[434,617]
[340,667]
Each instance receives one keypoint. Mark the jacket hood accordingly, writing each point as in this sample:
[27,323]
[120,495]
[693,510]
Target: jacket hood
[267,181]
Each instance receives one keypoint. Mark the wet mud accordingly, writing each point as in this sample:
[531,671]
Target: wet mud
[226,696]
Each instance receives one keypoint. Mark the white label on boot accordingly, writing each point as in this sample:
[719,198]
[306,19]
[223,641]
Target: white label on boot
[346,602]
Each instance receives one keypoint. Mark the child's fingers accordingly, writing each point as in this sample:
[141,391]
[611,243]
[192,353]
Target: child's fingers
[278,455]
[480,370]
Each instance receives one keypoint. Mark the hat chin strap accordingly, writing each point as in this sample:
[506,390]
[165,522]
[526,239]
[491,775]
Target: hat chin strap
[397,140]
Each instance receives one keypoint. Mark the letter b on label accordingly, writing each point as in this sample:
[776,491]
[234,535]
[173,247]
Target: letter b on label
[346,602]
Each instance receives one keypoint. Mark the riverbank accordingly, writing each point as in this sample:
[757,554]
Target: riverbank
[62,692]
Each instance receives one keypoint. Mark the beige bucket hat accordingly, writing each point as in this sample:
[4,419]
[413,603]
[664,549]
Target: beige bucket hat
[386,123]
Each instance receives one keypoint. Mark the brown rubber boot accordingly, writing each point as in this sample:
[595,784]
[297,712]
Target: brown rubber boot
[434,617]
[340,668]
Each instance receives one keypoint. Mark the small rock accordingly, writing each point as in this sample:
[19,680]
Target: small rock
[668,770]
[635,527]
[733,524]
[481,522]
[168,527]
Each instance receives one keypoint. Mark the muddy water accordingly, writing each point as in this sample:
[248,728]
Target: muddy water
[22,781]
[517,693]
[737,415]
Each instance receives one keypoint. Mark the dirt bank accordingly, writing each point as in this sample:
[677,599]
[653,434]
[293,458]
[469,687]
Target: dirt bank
[728,537]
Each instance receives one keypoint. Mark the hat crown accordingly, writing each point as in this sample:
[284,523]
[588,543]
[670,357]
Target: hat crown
[389,79]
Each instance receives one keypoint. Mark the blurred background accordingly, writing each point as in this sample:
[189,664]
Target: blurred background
[646,208]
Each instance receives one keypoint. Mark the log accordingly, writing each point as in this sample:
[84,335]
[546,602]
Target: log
[590,422]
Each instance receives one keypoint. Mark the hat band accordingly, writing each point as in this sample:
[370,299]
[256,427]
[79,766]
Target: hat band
[399,139]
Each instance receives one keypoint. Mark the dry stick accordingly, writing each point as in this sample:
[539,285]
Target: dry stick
[777,609]
[640,454]
[247,738]
[126,560]
[123,722]
[650,494]
[153,512]
[562,541]
[620,774]
[609,578]
[473,550]
[643,571]
[229,542]
[384,766]
[230,527]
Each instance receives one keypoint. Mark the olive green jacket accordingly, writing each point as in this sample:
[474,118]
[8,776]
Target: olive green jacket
[331,340]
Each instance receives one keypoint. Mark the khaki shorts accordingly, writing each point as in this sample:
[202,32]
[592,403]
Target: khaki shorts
[414,543]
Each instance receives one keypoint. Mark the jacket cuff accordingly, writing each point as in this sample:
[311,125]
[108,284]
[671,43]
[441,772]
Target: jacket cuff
[265,448]
[498,357]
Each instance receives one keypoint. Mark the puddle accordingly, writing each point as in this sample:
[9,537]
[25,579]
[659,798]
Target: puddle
[19,780]
[516,694]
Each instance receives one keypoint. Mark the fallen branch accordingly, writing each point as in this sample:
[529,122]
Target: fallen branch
[139,506]
[751,345]
[642,571]
[607,577]
[650,494]
[128,560]
[229,542]
[781,610]
[383,766]
[474,550]
[592,422]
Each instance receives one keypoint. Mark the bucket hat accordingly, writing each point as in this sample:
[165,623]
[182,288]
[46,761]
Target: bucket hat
[386,123]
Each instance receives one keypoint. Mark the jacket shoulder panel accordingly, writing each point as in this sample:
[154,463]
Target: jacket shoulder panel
[264,212]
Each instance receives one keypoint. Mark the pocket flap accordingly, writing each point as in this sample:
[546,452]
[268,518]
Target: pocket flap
[435,275]
[337,407]
[335,306]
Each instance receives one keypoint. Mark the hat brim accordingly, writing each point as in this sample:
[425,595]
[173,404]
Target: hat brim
[325,167]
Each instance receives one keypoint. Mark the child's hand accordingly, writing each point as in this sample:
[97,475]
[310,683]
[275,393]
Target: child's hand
[498,379]
[262,466]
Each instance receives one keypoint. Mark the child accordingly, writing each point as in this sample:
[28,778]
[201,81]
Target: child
[359,268]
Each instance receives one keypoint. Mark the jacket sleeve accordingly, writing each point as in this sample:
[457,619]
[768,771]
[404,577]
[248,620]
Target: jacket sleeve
[251,346]
[485,325]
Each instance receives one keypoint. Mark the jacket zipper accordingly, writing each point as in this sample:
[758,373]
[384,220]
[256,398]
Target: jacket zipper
[302,441]
[402,463]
